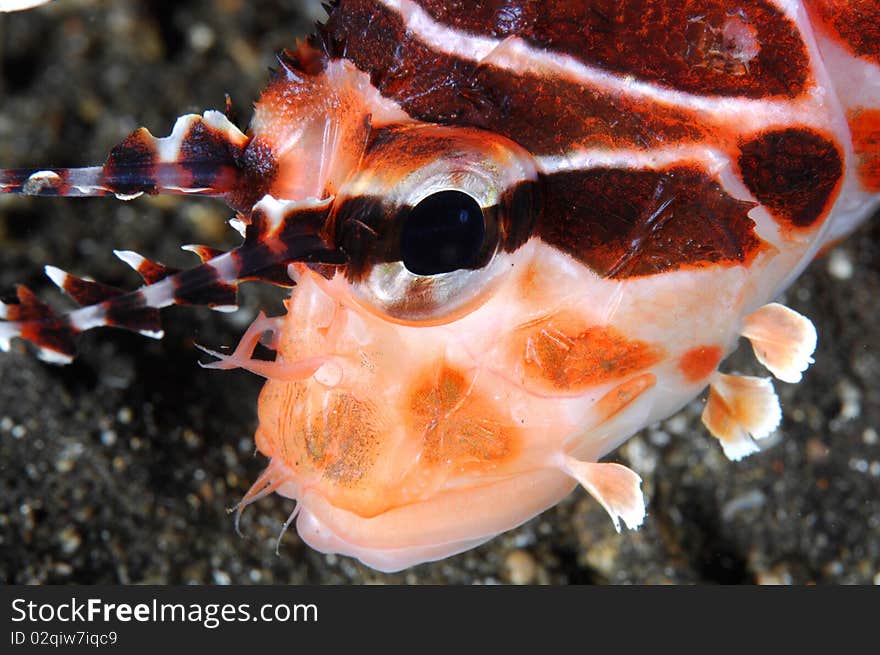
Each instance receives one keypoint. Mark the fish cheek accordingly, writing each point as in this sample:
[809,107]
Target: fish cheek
[461,427]
[329,439]
[560,353]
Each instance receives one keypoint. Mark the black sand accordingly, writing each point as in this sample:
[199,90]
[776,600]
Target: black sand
[120,467]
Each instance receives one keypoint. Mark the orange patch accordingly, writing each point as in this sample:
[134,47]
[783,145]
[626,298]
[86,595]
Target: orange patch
[566,355]
[332,434]
[623,395]
[532,287]
[865,127]
[698,363]
[460,426]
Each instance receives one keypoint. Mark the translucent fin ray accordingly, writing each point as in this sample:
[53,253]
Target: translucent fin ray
[277,234]
[203,155]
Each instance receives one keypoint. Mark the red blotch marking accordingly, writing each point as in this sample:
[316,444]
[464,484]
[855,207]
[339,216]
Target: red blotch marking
[459,424]
[623,395]
[698,363]
[700,46]
[561,353]
[132,164]
[795,173]
[626,223]
[855,24]
[258,170]
[865,127]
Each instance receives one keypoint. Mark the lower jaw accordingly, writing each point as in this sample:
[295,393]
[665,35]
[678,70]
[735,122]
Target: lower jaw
[451,523]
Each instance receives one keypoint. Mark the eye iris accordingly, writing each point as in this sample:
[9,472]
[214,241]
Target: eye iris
[443,233]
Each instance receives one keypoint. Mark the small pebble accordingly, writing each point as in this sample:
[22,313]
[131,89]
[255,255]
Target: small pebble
[201,37]
[70,540]
[124,415]
[521,567]
[839,265]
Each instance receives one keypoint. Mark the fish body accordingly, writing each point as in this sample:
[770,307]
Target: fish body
[515,242]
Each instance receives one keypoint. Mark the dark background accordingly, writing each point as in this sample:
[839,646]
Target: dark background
[120,467]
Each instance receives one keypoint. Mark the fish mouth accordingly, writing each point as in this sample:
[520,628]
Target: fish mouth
[444,525]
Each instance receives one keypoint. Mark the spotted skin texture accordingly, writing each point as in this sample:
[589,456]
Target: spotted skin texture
[854,23]
[543,113]
[458,423]
[560,353]
[683,44]
[331,440]
[796,173]
[631,223]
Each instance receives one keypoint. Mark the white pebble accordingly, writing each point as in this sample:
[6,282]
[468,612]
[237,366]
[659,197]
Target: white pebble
[201,37]
[221,578]
[839,265]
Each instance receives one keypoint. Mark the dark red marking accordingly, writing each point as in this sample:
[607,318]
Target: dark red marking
[794,172]
[87,292]
[210,158]
[548,114]
[625,223]
[56,335]
[269,247]
[545,114]
[153,272]
[701,46]
[301,61]
[130,312]
[865,127]
[258,168]
[205,252]
[131,166]
[202,286]
[855,24]
[28,308]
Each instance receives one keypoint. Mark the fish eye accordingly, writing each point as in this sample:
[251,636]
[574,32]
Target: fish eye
[443,233]
[431,219]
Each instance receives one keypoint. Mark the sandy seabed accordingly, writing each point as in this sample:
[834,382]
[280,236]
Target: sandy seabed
[120,468]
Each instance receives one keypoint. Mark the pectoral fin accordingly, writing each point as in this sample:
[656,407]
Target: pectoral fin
[617,488]
[740,410]
[782,339]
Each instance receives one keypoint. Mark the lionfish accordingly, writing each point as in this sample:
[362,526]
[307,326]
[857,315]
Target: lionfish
[515,233]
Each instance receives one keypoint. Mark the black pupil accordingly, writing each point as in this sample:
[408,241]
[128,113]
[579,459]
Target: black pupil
[443,233]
